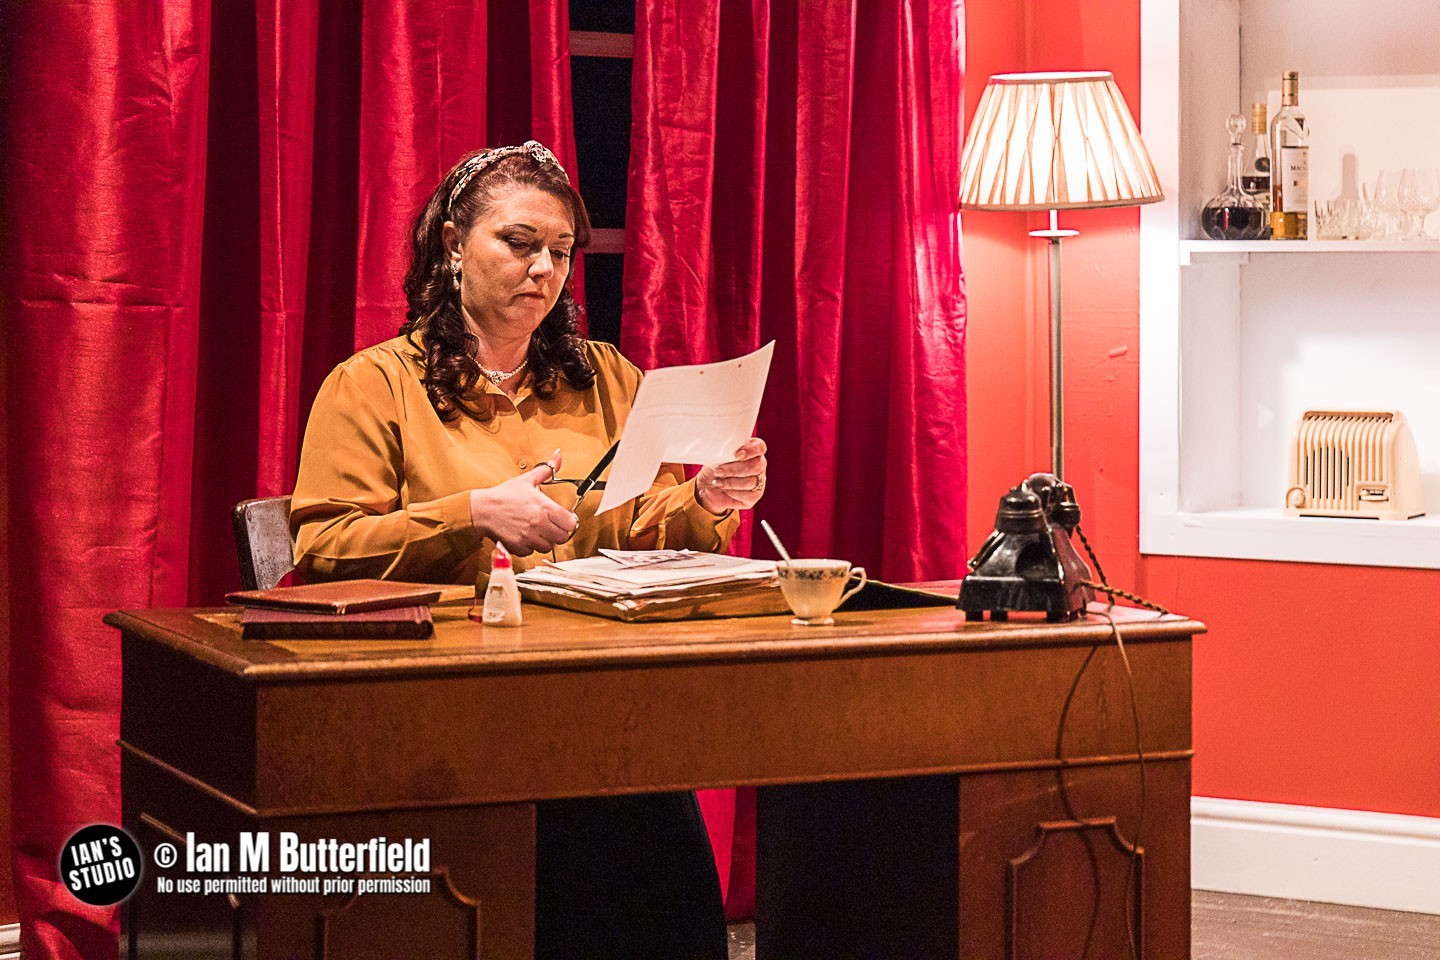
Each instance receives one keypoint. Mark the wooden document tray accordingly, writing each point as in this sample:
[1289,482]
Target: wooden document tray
[746,600]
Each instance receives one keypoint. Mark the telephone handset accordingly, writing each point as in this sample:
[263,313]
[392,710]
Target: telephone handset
[1029,563]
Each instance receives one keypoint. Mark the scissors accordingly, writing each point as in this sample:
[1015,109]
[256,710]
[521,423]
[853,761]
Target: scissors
[592,480]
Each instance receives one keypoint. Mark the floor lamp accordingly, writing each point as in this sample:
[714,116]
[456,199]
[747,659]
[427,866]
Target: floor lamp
[1046,141]
[1054,141]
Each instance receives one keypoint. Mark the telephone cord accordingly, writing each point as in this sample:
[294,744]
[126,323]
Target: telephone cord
[1138,844]
[1104,585]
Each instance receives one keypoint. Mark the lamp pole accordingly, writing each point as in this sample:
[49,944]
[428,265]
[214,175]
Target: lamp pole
[1057,406]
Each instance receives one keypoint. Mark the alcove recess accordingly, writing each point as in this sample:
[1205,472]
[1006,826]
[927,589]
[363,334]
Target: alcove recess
[1238,339]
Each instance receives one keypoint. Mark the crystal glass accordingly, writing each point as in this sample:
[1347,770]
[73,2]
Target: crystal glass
[1387,201]
[1330,220]
[1420,195]
[1344,218]
[1364,225]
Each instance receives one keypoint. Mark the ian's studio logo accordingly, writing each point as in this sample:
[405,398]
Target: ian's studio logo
[100,864]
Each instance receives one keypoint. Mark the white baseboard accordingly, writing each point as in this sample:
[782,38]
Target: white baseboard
[1353,857]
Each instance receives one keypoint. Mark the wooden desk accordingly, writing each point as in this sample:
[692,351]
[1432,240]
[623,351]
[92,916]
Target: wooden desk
[924,782]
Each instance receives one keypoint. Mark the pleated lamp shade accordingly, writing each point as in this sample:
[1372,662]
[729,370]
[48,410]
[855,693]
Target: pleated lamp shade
[1054,141]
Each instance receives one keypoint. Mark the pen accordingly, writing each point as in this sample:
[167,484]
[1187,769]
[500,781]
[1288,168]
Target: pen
[594,476]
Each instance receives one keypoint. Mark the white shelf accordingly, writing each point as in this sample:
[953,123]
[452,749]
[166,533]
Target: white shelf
[1191,247]
[1241,337]
[1254,533]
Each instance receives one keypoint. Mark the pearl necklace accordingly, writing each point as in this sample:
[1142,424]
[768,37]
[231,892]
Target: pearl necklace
[498,377]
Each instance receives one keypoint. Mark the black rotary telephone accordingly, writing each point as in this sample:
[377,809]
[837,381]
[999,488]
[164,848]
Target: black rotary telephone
[1029,563]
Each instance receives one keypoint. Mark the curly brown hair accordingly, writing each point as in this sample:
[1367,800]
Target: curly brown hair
[451,370]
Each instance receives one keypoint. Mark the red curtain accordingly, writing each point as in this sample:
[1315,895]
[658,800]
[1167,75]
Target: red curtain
[793,177]
[206,208]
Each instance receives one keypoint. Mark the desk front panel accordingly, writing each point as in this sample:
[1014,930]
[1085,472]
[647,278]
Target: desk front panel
[548,728]
[1018,842]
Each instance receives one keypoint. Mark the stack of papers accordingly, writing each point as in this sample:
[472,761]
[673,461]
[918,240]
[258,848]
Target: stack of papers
[650,574]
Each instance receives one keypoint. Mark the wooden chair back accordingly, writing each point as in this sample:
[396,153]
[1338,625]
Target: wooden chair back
[262,541]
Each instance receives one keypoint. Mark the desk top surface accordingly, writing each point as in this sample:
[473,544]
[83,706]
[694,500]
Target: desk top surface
[553,639]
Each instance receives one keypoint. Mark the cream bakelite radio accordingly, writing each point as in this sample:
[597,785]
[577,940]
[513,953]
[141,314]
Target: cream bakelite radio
[1354,464]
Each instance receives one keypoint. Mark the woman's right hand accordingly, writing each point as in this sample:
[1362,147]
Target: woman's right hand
[518,515]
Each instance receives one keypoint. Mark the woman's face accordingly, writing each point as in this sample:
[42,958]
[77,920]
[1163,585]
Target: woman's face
[514,262]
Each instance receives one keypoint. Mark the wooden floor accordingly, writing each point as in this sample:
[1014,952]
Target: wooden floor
[1226,926]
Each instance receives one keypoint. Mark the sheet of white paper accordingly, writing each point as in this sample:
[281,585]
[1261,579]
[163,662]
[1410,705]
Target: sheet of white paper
[699,414]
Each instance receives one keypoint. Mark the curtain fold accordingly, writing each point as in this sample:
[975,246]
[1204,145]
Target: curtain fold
[553,122]
[793,177]
[207,207]
[825,66]
[671,185]
[287,47]
[423,106]
[925,466]
[102,234]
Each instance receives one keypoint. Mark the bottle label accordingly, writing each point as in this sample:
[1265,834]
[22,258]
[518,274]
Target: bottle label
[501,604]
[1294,179]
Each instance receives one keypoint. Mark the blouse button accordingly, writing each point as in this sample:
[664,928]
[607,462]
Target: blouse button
[524,465]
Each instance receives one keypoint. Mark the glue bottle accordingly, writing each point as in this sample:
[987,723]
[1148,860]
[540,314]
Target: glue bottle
[502,593]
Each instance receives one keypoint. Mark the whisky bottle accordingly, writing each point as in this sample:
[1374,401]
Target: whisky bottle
[1255,180]
[1290,178]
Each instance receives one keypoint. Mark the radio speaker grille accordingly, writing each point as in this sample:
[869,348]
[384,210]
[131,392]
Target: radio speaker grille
[1354,464]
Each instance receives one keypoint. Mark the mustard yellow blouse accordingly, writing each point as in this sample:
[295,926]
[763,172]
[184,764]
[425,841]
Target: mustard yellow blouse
[383,488]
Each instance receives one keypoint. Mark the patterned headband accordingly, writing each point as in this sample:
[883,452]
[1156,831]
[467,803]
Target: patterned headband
[537,151]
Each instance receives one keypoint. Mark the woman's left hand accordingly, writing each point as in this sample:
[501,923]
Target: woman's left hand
[736,485]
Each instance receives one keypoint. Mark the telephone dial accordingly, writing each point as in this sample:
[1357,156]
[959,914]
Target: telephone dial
[1028,563]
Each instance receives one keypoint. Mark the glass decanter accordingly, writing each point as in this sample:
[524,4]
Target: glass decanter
[1233,214]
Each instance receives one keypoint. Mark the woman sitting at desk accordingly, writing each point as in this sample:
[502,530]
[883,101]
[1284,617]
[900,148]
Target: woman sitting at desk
[424,451]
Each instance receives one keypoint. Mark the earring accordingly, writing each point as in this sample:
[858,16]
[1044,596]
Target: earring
[455,275]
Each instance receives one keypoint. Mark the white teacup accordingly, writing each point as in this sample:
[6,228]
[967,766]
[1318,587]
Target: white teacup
[814,588]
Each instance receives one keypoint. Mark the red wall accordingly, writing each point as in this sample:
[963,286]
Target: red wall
[1316,685]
